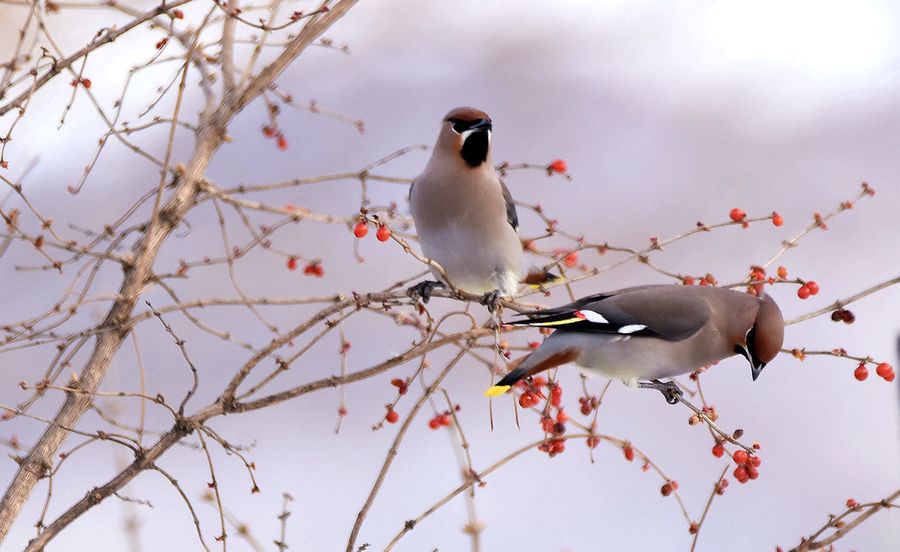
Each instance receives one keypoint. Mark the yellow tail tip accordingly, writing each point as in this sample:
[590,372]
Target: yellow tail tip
[496,390]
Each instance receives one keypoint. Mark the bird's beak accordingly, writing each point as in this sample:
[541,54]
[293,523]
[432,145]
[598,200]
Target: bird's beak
[756,365]
[481,125]
[756,368]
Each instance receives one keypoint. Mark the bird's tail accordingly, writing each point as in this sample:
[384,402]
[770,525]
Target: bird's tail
[531,364]
[538,277]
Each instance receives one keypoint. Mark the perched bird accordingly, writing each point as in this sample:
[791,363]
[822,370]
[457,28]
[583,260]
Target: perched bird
[653,332]
[464,214]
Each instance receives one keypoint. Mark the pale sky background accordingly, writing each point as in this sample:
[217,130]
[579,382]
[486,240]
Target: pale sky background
[666,112]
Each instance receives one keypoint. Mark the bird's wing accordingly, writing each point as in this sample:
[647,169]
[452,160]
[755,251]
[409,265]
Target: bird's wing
[665,312]
[512,217]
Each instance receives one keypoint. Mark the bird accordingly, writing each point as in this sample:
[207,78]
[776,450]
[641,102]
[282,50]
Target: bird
[653,332]
[465,217]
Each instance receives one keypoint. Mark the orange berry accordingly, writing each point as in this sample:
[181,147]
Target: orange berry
[782,272]
[571,260]
[361,229]
[281,142]
[557,166]
[383,234]
[737,215]
[777,219]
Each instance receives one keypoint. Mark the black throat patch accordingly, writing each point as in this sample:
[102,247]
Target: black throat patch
[475,148]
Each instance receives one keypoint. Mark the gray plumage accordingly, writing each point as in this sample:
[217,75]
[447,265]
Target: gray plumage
[465,216]
[654,332]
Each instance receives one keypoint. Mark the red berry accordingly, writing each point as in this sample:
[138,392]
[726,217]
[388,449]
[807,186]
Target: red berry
[813,287]
[782,272]
[401,385]
[890,377]
[777,219]
[688,281]
[557,166]
[883,370]
[737,215]
[268,131]
[533,344]
[571,260]
[556,396]
[292,263]
[444,419]
[752,472]
[693,528]
[629,452]
[861,372]
[592,442]
[383,234]
[178,14]
[666,489]
[86,83]
[740,457]
[391,417]
[361,229]
[281,142]
[342,411]
[740,473]
[562,417]
[754,461]
[528,399]
[803,292]
[538,381]
[852,503]
[434,423]
[718,450]
[314,269]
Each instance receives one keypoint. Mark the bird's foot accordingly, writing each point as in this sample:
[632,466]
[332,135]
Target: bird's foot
[424,289]
[491,300]
[669,389]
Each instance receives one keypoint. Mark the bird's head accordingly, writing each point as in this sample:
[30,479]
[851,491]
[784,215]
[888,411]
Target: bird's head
[764,339]
[466,133]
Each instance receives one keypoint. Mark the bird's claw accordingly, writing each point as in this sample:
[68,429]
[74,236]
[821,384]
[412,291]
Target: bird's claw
[491,300]
[669,389]
[424,290]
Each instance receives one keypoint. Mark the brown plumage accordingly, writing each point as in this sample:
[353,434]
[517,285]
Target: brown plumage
[465,217]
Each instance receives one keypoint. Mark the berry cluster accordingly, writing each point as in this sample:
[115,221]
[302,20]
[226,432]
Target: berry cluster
[747,466]
[440,420]
[361,229]
[883,370]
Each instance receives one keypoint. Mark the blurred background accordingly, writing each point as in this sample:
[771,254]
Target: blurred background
[665,112]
